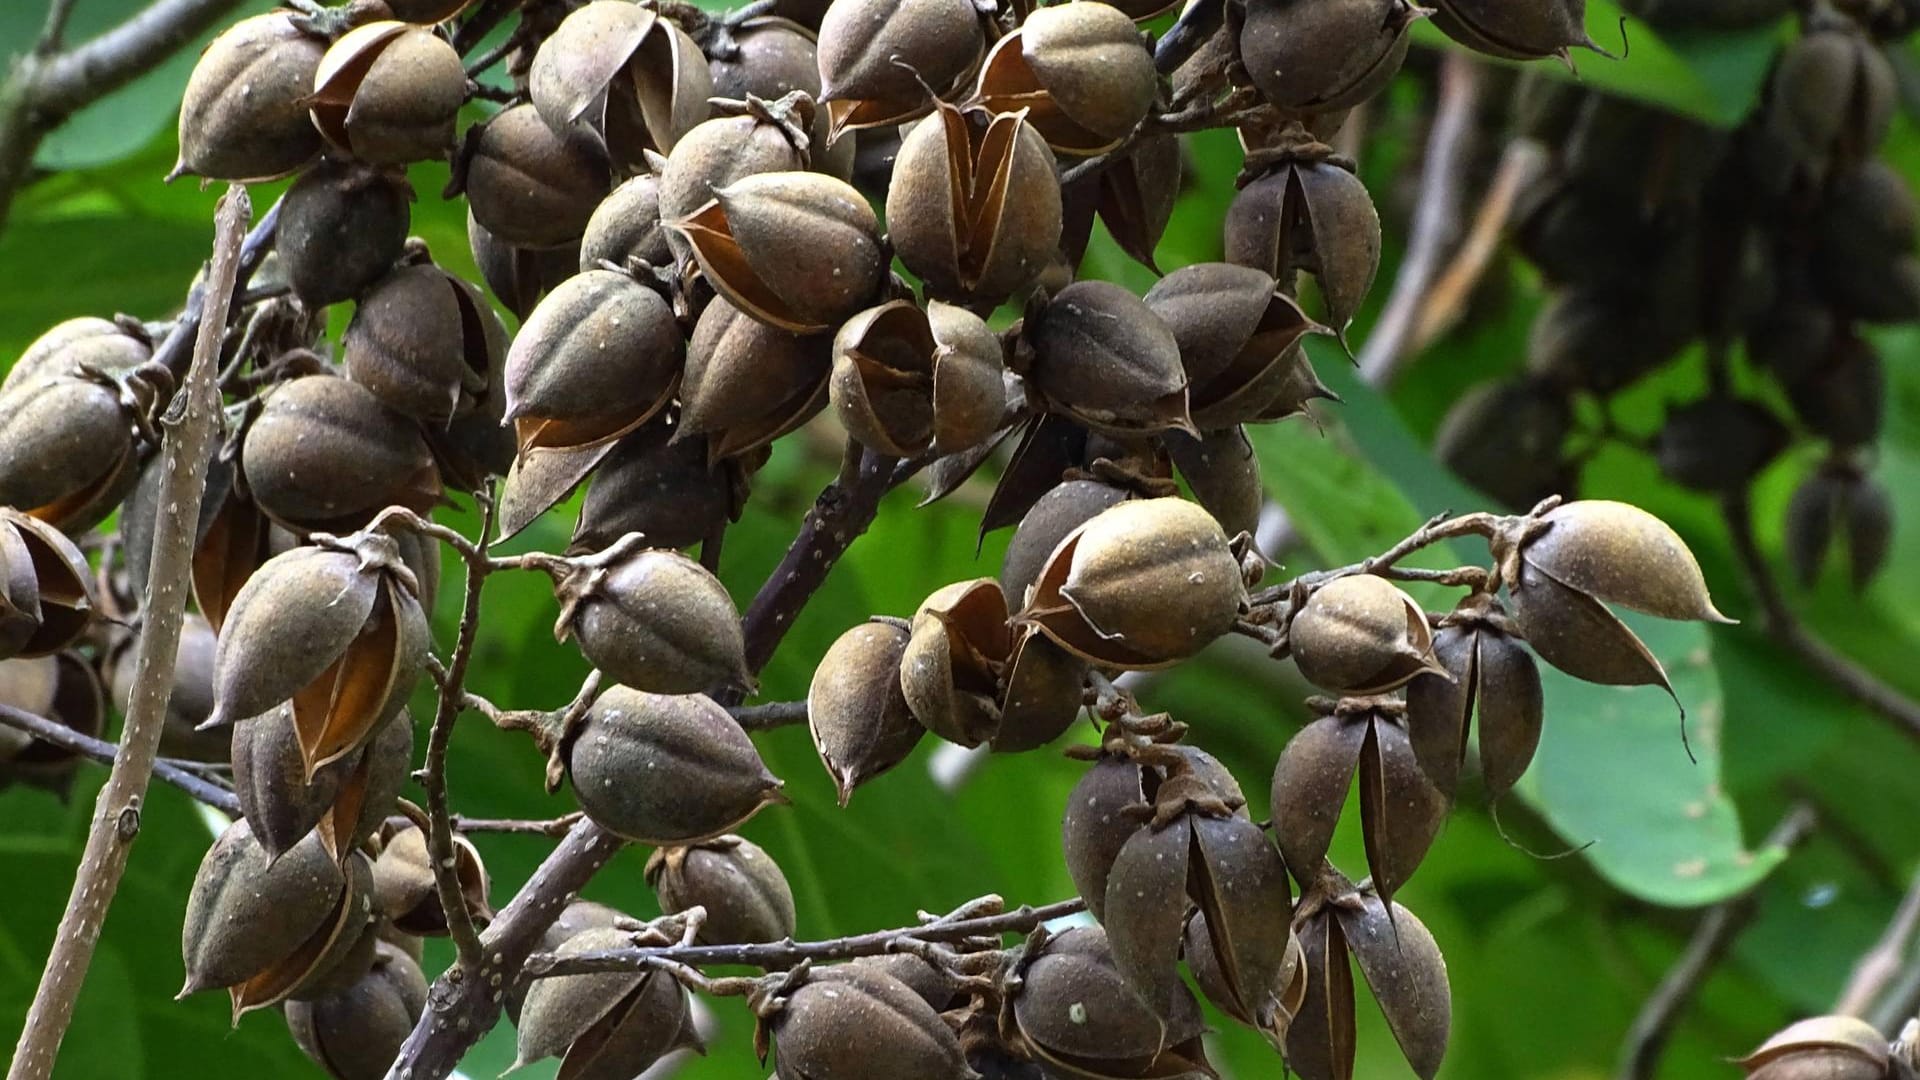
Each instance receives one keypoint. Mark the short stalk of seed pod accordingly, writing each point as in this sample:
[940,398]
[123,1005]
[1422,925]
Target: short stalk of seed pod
[1070,1008]
[860,718]
[654,620]
[743,891]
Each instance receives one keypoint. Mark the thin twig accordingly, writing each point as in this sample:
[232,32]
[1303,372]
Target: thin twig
[175,773]
[776,714]
[1780,621]
[1878,966]
[116,818]
[1712,937]
[550,827]
[54,33]
[1446,301]
[784,954]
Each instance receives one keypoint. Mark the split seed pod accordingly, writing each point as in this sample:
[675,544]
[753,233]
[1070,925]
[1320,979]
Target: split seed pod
[1073,1011]
[618,78]
[746,138]
[1401,810]
[652,619]
[906,380]
[852,1022]
[1238,334]
[796,250]
[1223,472]
[357,1033]
[600,356]
[947,670]
[1491,673]
[424,342]
[974,206]
[703,776]
[1404,969]
[1144,584]
[1312,216]
[1098,354]
[861,722]
[1323,57]
[404,886]
[747,382]
[346,800]
[1821,1048]
[71,451]
[1505,438]
[337,630]
[342,227]
[325,454]
[528,186]
[244,114]
[1591,553]
[745,895]
[1286,996]
[1516,29]
[46,587]
[880,58]
[1359,635]
[659,487]
[1081,74]
[388,93]
[1838,498]
[608,1025]
[626,225]
[1063,509]
[1833,98]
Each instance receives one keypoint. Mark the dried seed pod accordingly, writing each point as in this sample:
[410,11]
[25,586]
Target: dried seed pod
[342,227]
[1324,57]
[336,630]
[1052,518]
[1044,689]
[1623,555]
[1833,96]
[773,56]
[600,356]
[1489,672]
[1136,196]
[1073,1011]
[326,454]
[745,139]
[1516,29]
[947,670]
[1098,823]
[1838,497]
[881,61]
[1145,583]
[1081,73]
[1237,333]
[745,895]
[424,341]
[796,250]
[518,276]
[858,714]
[1224,474]
[652,619]
[1098,354]
[347,799]
[660,487]
[528,186]
[747,383]
[62,688]
[243,116]
[357,1033]
[618,78]
[1312,216]
[604,1025]
[1286,995]
[1719,443]
[1359,635]
[1505,438]
[404,888]
[46,587]
[1864,235]
[1821,1048]
[190,701]
[1844,398]
[703,776]
[974,207]
[71,452]
[1598,340]
[858,1023]
[906,380]
[1403,967]
[112,346]
[388,93]
[627,226]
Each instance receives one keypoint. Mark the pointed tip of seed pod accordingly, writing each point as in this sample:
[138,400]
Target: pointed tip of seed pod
[179,170]
[1346,345]
[843,784]
[188,988]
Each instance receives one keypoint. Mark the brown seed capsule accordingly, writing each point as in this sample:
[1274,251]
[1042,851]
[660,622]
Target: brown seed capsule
[404,887]
[1833,96]
[1321,58]
[324,453]
[627,226]
[1135,199]
[1312,216]
[906,380]
[1098,354]
[661,488]
[1505,438]
[356,1034]
[1081,73]
[190,701]
[1719,443]
[1623,555]
[974,206]
[1820,1048]
[1403,967]
[337,630]
[652,619]
[424,342]
[855,1023]
[528,186]
[747,383]
[342,227]
[1053,517]
[772,57]
[1073,1011]
[1838,497]
[1223,472]
[62,688]
[796,250]
[1359,635]
[702,775]
[518,276]
[46,587]
[1045,687]
[388,93]
[1598,340]
[745,895]
[244,114]
[600,356]
[71,453]
[346,800]
[1098,823]
[113,346]
[1286,995]
[1493,675]
[947,671]
[881,61]
[1237,333]
[861,722]
[744,138]
[1146,583]
[605,1024]
[618,78]
[1516,29]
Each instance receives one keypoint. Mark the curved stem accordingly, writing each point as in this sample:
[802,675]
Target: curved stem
[64,737]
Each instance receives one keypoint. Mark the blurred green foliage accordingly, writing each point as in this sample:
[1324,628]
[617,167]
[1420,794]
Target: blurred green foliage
[1549,959]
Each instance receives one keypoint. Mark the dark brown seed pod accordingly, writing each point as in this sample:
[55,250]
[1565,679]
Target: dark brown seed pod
[1287,995]
[1099,822]
[600,356]
[1321,58]
[974,206]
[1057,514]
[347,799]
[1223,472]
[746,138]
[517,276]
[1516,29]
[1359,635]
[1096,353]
[747,383]
[627,226]
[191,700]
[1044,689]
[1136,196]
[1243,885]
[325,454]
[1312,216]
[336,630]
[772,56]
[1083,76]
[356,1034]
[424,342]
[652,619]
[112,346]
[1492,675]
[947,670]
[1844,397]
[1145,583]
[63,688]
[528,186]
[404,887]
[1310,783]
[661,488]
[72,455]
[1403,967]
[1821,1048]
[621,80]
[604,1025]
[796,250]
[1073,1011]
[1838,499]
[1320,1043]
[1597,339]
[856,710]
[880,58]
[704,776]
[858,1023]
[244,114]
[1237,332]
[1505,438]
[745,895]
[46,587]
[1833,96]
[388,93]
[342,227]
[1719,443]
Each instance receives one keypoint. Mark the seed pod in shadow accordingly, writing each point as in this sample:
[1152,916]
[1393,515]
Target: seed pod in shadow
[46,587]
[861,722]
[347,799]
[1223,472]
[1314,216]
[621,80]
[342,227]
[606,1025]
[626,225]
[243,116]
[947,668]
[1492,675]
[528,186]
[664,770]
[1505,438]
[907,380]
[652,619]
[743,138]
[1403,968]
[404,887]
[774,57]
[1286,995]
[1237,334]
[748,383]
[518,276]
[1516,29]
[1098,354]
[881,61]
[1074,1012]
[856,1023]
[745,895]
[326,454]
[660,487]
[1719,444]
[424,342]
[1044,686]
[63,688]
[1833,95]
[1821,1048]
[191,700]
[389,94]
[1059,512]
[1324,57]
[1101,816]
[111,345]
[356,1034]
[1360,634]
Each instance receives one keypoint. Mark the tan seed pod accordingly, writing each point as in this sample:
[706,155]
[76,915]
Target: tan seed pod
[528,186]
[326,454]
[1053,517]
[1083,74]
[604,1025]
[746,138]
[1098,823]
[243,116]
[71,450]
[388,93]
[598,357]
[424,342]
[879,58]
[62,688]
[654,620]
[1360,634]
[947,670]
[404,888]
[856,710]
[1321,58]
[357,1033]
[747,382]
[105,345]
[773,57]
[1310,784]
[1820,1048]
[626,225]
[850,1023]
[744,893]
[1621,554]
[619,79]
